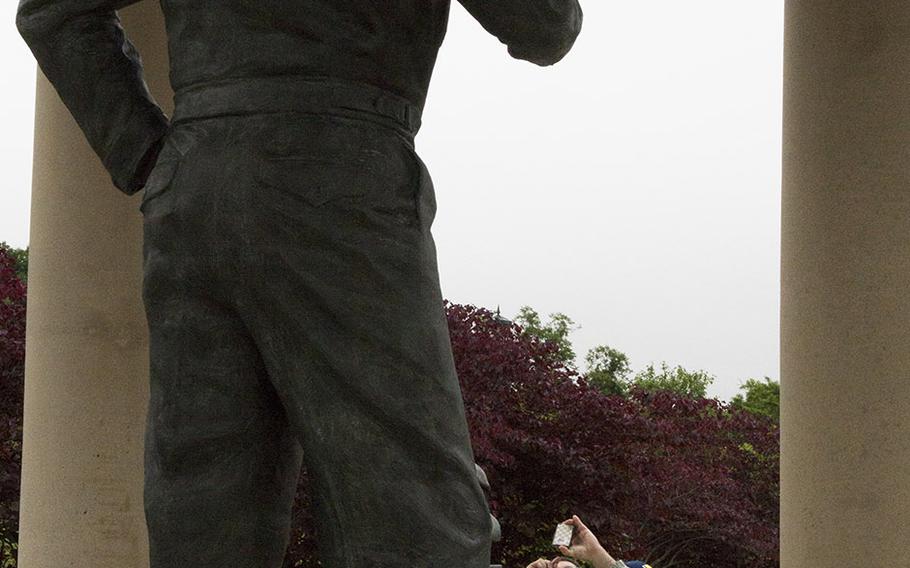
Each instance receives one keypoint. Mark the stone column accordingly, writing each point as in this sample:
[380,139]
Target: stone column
[845,287]
[86,380]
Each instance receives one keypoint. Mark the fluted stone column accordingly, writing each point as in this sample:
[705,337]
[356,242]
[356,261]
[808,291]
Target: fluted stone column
[845,320]
[86,370]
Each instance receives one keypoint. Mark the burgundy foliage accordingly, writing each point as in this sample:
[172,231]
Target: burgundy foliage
[12,365]
[659,477]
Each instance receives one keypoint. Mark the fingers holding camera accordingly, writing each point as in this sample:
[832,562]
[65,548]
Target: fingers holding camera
[558,562]
[585,546]
[582,534]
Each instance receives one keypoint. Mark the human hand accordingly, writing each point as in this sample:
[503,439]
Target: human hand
[585,546]
[558,562]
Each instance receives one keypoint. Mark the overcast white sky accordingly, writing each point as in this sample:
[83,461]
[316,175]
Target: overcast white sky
[635,186]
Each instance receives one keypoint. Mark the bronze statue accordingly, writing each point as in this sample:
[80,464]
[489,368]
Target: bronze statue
[290,278]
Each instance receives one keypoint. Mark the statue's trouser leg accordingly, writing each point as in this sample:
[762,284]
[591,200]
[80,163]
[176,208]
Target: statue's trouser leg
[292,293]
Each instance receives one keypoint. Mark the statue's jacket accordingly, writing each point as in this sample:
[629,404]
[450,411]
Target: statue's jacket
[81,47]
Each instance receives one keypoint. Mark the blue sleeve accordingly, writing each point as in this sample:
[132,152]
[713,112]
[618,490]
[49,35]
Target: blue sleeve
[539,31]
[82,50]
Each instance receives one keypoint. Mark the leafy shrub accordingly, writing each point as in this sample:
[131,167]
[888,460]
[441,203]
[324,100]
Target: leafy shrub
[12,365]
[677,480]
[762,397]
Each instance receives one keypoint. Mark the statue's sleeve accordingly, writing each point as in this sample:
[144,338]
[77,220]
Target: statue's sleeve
[82,50]
[539,31]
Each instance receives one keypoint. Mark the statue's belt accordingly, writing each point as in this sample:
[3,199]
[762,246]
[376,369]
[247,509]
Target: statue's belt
[281,93]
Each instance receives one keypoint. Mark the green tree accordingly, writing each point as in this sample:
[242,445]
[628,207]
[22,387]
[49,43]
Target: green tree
[21,258]
[608,370]
[762,397]
[693,384]
[556,331]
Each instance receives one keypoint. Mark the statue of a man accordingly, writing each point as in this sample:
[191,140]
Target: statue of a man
[290,278]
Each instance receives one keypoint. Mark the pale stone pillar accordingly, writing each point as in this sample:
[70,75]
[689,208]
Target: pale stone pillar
[845,305]
[86,381]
